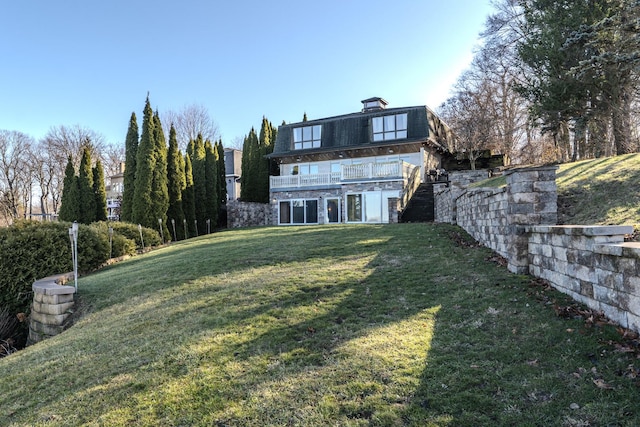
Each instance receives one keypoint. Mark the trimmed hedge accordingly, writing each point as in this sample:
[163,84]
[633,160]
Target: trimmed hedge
[31,250]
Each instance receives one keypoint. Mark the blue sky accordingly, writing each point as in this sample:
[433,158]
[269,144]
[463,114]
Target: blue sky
[92,63]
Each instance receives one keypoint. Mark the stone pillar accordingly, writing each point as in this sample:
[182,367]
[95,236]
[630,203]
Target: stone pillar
[51,307]
[394,209]
[532,200]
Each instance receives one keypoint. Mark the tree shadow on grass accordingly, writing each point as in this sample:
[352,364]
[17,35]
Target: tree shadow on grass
[347,345]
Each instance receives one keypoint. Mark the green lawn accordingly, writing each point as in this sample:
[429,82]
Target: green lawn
[392,325]
[600,191]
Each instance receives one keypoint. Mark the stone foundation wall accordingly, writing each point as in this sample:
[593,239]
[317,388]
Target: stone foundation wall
[248,214]
[593,265]
[51,307]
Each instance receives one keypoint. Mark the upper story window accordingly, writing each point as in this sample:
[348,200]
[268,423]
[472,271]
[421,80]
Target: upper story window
[307,137]
[389,127]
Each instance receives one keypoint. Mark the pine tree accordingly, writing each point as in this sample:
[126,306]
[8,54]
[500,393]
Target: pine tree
[159,191]
[198,160]
[99,192]
[69,202]
[211,184]
[175,182]
[145,165]
[131,149]
[188,197]
[87,197]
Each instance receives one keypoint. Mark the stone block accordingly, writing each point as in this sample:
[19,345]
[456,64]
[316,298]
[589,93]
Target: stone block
[631,285]
[49,288]
[45,329]
[520,187]
[582,287]
[633,322]
[615,314]
[49,319]
[52,308]
[545,186]
[52,299]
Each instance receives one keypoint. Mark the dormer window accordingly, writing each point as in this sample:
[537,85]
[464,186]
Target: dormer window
[307,137]
[389,127]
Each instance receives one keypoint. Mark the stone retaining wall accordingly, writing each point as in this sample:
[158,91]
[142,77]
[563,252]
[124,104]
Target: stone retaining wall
[51,308]
[590,263]
[496,216]
[248,214]
[593,265]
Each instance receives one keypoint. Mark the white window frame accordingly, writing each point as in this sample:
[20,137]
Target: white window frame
[389,127]
[305,137]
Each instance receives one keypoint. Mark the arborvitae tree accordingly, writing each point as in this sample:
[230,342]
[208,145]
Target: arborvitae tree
[175,182]
[265,147]
[87,197]
[198,160]
[69,203]
[159,192]
[99,192]
[250,154]
[145,165]
[189,198]
[211,184]
[131,150]
[222,178]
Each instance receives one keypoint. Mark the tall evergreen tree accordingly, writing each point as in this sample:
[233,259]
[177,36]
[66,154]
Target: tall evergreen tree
[159,191]
[189,198]
[131,150]
[175,180]
[145,165]
[250,154]
[265,144]
[87,197]
[211,184]
[222,178]
[198,164]
[99,192]
[70,202]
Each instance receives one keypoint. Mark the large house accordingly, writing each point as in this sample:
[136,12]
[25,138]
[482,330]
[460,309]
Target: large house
[114,190]
[347,168]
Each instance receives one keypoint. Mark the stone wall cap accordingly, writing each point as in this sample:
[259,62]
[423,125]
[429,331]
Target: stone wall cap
[50,285]
[585,230]
[530,169]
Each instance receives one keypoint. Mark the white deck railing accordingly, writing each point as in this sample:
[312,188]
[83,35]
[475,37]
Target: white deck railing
[365,171]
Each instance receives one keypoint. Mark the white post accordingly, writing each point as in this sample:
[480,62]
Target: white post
[73,231]
[141,239]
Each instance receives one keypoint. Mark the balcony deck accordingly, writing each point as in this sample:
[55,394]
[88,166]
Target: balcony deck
[387,171]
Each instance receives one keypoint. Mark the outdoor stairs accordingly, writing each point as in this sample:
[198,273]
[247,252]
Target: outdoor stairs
[420,207]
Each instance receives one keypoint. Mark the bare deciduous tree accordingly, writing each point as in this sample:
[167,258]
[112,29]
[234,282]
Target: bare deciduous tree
[190,121]
[14,174]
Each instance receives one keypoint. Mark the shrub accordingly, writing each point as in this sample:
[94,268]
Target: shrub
[151,237]
[121,244]
[32,250]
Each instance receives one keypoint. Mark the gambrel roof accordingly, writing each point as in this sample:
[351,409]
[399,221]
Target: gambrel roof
[354,132]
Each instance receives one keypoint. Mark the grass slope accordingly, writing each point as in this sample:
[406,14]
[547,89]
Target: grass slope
[600,191]
[313,326]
